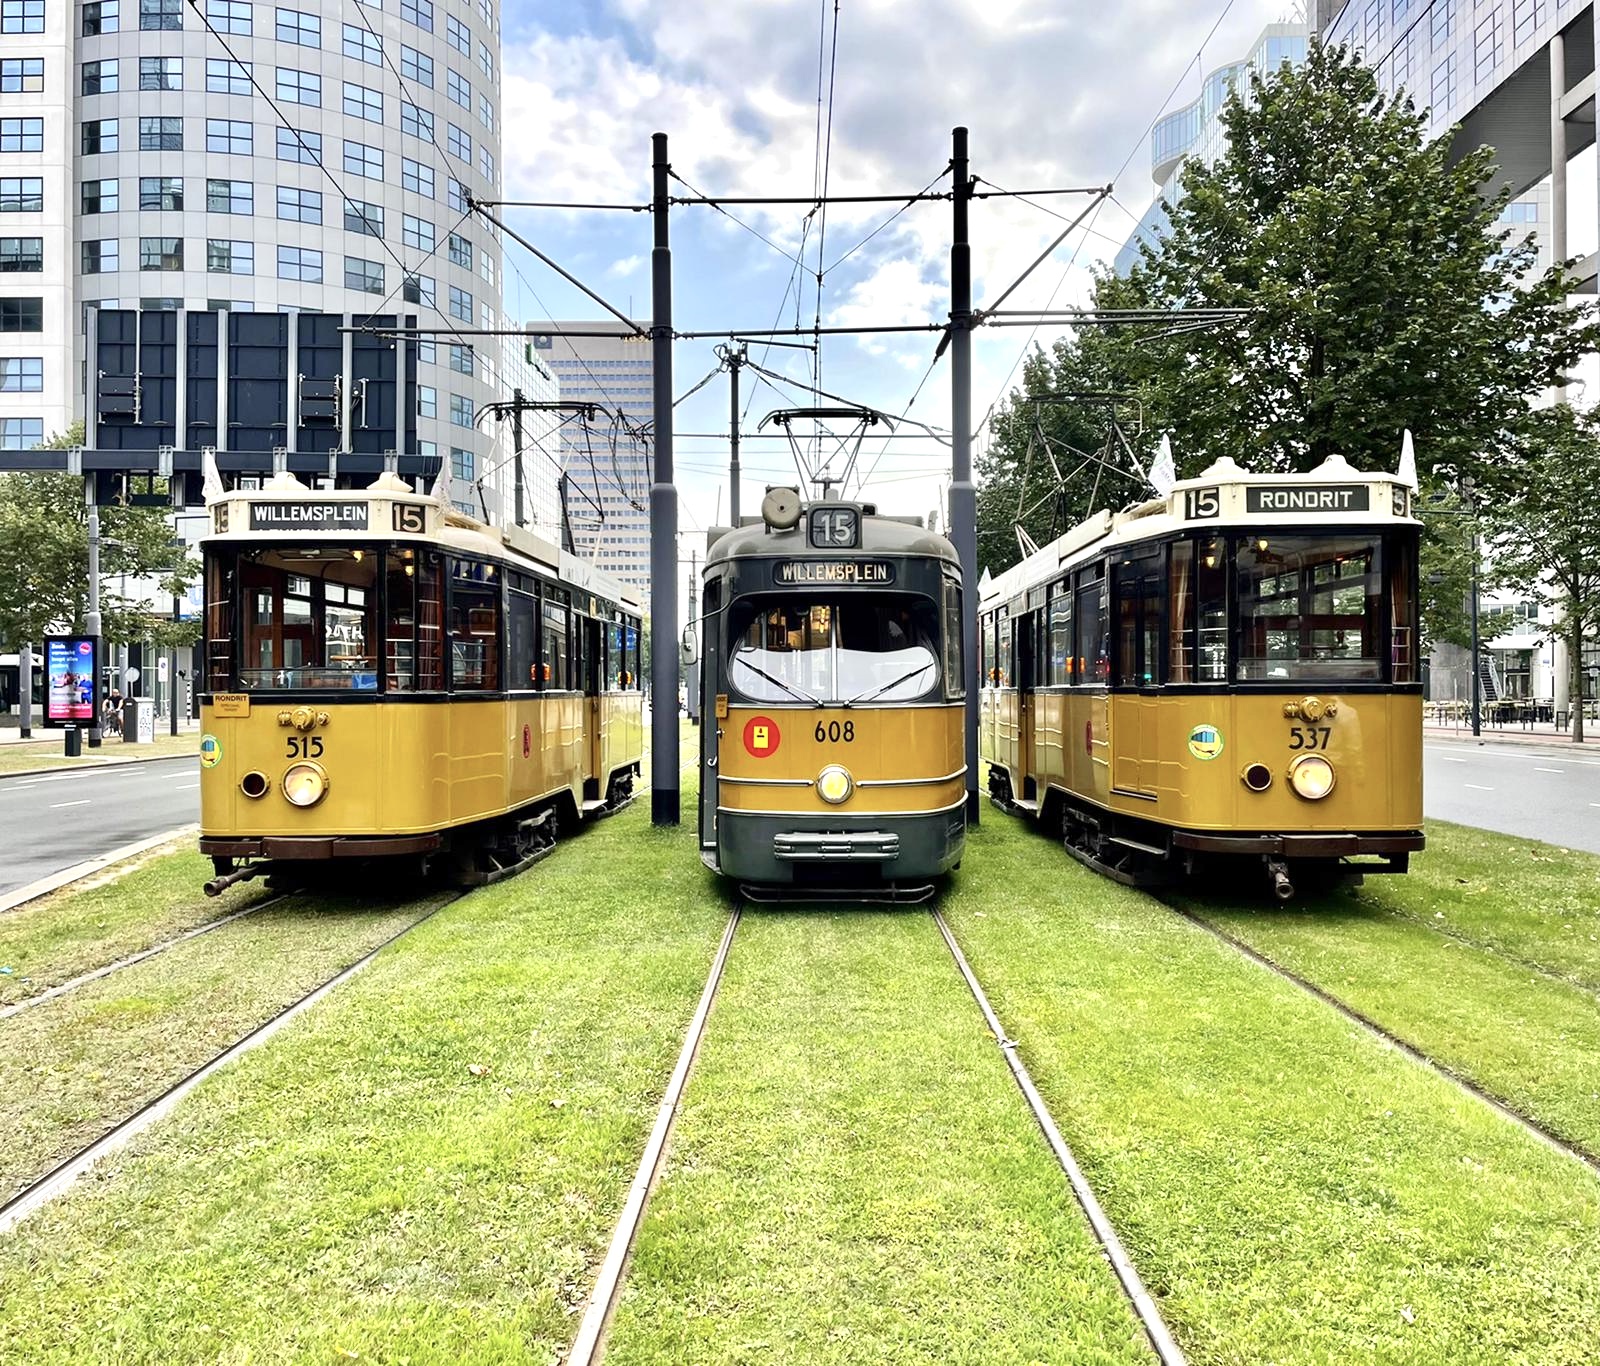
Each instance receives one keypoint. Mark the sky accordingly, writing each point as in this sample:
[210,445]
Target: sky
[1055,93]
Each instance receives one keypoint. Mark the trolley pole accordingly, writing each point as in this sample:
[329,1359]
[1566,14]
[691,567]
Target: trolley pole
[963,492]
[91,618]
[516,449]
[664,788]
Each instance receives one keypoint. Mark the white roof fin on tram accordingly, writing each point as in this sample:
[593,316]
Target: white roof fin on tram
[1163,471]
[211,487]
[388,482]
[1407,473]
[284,482]
[1337,467]
[1225,468]
[440,492]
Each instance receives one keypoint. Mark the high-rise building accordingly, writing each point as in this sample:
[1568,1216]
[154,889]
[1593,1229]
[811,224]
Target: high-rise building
[309,155]
[606,463]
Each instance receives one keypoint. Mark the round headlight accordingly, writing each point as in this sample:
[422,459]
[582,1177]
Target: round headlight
[834,784]
[305,784]
[1311,776]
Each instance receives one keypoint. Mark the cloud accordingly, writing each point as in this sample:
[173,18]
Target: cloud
[625,266]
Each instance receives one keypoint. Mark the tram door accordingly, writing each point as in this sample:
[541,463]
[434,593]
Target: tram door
[592,654]
[1026,636]
[708,634]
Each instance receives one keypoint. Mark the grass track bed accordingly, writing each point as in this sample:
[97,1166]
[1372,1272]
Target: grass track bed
[73,1067]
[354,1187]
[854,1177]
[114,914]
[1290,1189]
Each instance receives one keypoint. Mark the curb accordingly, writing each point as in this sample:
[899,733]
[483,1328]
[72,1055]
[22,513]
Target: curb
[1539,745]
[10,901]
[102,765]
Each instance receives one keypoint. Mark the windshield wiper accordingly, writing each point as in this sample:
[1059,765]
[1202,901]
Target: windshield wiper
[879,692]
[789,688]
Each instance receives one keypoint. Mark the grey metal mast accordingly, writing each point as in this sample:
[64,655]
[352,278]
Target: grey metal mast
[963,492]
[664,788]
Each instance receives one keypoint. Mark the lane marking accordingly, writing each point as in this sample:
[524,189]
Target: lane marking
[84,801]
[186,787]
[1450,759]
[1476,788]
[1536,770]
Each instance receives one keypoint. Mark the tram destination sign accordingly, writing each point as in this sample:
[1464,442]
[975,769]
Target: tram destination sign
[1309,498]
[849,573]
[308,516]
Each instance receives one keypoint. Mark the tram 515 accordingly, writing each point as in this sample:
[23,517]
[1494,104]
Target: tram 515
[1228,674]
[831,760]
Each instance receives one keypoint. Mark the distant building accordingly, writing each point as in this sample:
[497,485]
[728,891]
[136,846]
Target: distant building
[608,471]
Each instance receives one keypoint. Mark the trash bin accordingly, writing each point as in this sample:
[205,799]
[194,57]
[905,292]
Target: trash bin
[74,742]
[135,710]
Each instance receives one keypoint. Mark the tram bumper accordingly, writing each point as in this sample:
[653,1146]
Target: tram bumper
[802,850]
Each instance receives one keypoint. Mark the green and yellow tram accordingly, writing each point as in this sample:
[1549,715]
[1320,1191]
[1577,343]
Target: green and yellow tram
[387,679]
[831,755]
[1227,673]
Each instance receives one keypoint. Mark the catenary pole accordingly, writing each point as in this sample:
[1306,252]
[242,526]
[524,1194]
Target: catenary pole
[664,789]
[516,450]
[963,492]
[736,358]
[91,618]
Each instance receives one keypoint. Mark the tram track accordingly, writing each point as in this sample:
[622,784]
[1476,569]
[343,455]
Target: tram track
[100,973]
[38,1193]
[1139,1298]
[1548,1137]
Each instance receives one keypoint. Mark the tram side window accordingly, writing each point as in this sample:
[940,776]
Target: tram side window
[400,629]
[553,672]
[1005,668]
[1402,552]
[219,623]
[522,660]
[1059,668]
[1139,593]
[986,650]
[613,634]
[955,677]
[631,646]
[474,627]
[1093,627]
[1310,608]
[430,623]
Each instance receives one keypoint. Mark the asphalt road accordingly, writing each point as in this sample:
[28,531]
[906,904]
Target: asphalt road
[50,821]
[1542,794]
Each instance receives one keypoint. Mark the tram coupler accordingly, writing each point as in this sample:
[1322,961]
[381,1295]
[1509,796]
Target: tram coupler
[219,884]
[1278,871]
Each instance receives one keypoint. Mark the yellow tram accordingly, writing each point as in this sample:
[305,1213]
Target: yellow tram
[388,679]
[1229,672]
[831,758]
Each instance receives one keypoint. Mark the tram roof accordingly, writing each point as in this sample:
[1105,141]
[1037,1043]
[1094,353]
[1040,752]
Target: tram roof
[1223,497]
[880,535]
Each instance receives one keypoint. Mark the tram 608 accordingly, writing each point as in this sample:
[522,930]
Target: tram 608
[387,679]
[1227,673]
[831,760]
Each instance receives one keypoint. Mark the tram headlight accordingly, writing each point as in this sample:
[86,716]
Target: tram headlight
[1311,776]
[834,784]
[305,784]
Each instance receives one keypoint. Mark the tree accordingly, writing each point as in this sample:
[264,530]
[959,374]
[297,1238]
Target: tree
[44,560]
[1543,535]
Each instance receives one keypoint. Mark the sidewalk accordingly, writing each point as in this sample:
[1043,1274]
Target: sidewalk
[11,735]
[1515,737]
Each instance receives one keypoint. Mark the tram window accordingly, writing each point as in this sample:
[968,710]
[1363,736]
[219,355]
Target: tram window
[613,676]
[522,660]
[309,619]
[1058,671]
[1180,619]
[400,630]
[1140,588]
[883,649]
[1402,550]
[1310,608]
[1093,664]
[955,678]
[474,626]
[1211,610]
[631,646]
[430,623]
[219,623]
[553,672]
[1005,674]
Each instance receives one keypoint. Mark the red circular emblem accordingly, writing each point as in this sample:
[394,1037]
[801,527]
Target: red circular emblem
[761,736]
[1088,737]
[527,741]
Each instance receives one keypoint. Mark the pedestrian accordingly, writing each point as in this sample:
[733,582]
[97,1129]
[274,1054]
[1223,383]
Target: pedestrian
[113,712]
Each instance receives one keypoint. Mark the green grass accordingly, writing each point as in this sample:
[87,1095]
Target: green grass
[854,1177]
[1291,1189]
[73,1067]
[354,1186]
[27,755]
[116,913]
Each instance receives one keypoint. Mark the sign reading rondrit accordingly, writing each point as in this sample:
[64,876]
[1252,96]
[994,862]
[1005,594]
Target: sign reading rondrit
[1308,498]
[299,516]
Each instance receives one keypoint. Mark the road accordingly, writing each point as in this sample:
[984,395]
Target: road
[1542,794]
[50,821]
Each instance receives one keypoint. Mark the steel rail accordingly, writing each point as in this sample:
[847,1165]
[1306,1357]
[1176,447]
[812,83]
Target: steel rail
[62,988]
[587,1347]
[1532,1127]
[1144,1305]
[61,1177]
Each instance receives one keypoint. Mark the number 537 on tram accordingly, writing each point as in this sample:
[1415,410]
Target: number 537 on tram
[831,749]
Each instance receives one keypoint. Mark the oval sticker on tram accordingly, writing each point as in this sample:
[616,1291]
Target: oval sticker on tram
[210,751]
[761,736]
[1205,742]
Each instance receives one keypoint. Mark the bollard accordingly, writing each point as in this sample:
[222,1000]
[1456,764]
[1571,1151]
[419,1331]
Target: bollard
[74,742]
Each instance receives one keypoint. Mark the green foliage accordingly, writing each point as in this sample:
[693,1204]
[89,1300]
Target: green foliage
[1382,297]
[44,560]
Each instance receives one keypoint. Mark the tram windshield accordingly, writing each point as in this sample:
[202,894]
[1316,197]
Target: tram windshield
[841,649]
[1310,608]
[308,619]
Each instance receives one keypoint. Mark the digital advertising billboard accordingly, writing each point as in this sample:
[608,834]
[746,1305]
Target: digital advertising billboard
[71,668]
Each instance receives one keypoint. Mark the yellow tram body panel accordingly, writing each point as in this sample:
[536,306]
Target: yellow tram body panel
[1180,760]
[901,759]
[401,768]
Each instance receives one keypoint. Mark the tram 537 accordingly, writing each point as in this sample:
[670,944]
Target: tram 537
[1227,673]
[389,680]
[831,757]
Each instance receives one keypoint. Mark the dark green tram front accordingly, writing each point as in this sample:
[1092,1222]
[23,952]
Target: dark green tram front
[832,756]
